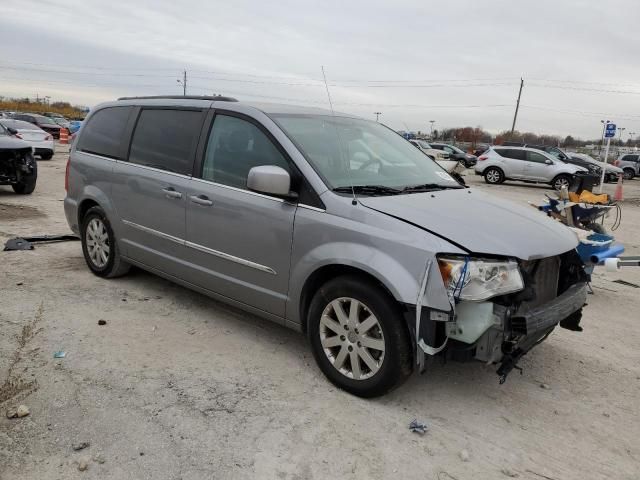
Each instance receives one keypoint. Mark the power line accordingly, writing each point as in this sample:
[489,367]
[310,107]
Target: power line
[561,87]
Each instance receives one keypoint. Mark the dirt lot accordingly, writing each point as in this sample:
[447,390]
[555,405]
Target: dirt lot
[178,386]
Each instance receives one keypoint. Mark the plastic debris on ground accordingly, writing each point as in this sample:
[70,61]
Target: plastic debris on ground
[26,243]
[416,427]
[60,354]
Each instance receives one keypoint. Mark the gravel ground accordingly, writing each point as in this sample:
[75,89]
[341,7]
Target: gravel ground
[179,386]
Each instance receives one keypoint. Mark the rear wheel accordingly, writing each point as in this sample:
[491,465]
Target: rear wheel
[561,181]
[27,183]
[493,175]
[99,245]
[358,337]
[46,156]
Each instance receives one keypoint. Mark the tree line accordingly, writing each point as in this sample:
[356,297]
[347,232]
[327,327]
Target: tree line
[41,106]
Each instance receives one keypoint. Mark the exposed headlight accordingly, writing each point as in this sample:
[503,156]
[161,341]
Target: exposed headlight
[479,279]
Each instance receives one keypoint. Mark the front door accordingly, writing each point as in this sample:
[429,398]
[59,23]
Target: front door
[239,241]
[150,189]
[537,168]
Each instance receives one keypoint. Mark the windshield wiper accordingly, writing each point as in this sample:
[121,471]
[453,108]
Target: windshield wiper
[429,187]
[369,190]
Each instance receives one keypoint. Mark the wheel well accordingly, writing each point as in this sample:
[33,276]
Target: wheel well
[322,276]
[84,207]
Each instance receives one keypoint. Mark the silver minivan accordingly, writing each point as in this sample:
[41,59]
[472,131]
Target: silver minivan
[329,224]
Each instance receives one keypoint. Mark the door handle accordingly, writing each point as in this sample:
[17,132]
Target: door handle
[201,200]
[170,192]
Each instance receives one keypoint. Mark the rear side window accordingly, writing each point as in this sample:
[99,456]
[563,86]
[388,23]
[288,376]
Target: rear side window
[166,139]
[104,133]
[511,153]
[630,158]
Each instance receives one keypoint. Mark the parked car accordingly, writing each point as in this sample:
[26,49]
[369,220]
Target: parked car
[611,171]
[45,123]
[41,141]
[63,122]
[332,225]
[74,126]
[480,149]
[428,150]
[630,165]
[456,154]
[18,168]
[525,164]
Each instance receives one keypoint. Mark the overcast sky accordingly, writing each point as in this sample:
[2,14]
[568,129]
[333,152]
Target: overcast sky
[457,62]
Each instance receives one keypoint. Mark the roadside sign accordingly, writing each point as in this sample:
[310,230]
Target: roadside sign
[610,131]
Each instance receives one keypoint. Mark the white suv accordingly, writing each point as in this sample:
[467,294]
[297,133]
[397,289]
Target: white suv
[526,164]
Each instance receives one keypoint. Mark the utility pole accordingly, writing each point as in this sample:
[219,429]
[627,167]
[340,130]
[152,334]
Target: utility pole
[515,115]
[377,114]
[183,82]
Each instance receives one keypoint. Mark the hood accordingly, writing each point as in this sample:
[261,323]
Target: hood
[612,169]
[12,143]
[480,223]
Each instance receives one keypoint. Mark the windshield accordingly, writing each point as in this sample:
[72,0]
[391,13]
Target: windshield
[349,151]
[46,120]
[423,144]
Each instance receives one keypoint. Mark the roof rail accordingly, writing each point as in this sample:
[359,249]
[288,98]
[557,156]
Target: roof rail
[217,98]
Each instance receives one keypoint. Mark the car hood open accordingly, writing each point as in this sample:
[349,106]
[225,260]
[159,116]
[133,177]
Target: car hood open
[480,223]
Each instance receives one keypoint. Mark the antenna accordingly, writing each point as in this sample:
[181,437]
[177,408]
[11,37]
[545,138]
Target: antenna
[333,114]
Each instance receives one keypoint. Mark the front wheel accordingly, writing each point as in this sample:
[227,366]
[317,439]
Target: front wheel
[629,173]
[561,181]
[358,337]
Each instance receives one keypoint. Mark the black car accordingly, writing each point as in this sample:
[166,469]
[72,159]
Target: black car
[456,154]
[45,123]
[18,168]
[593,168]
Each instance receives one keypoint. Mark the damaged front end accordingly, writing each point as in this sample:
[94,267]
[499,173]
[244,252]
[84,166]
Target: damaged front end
[497,309]
[16,165]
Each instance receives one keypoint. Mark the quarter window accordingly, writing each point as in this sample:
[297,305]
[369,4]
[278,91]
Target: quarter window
[104,132]
[166,139]
[235,146]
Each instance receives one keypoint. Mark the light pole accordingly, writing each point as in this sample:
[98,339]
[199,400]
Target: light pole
[631,134]
[183,82]
[620,130]
[377,114]
[604,125]
[431,135]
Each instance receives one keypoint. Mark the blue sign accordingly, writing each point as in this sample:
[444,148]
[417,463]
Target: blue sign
[610,131]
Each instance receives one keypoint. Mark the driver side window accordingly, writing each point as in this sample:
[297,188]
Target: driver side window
[235,146]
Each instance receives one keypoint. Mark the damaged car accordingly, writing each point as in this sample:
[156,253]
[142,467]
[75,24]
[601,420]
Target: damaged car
[18,166]
[325,223]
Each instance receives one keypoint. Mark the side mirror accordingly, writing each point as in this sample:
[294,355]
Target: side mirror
[269,179]
[12,130]
[548,162]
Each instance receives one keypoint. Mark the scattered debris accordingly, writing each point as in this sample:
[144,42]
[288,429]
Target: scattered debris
[102,322]
[21,411]
[540,474]
[605,414]
[19,283]
[80,446]
[464,455]
[99,458]
[509,473]
[60,354]
[416,427]
[83,464]
[544,386]
[26,243]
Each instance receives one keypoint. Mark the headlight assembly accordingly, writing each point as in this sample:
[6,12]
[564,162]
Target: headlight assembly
[479,279]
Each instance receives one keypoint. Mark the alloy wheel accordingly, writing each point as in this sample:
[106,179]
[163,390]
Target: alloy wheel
[97,240]
[493,176]
[561,182]
[352,338]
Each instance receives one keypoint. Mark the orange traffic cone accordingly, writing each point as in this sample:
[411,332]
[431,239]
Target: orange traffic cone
[617,196]
[64,136]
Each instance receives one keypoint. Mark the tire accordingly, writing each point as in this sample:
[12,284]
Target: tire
[560,181]
[46,156]
[27,183]
[629,173]
[98,238]
[385,344]
[493,176]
